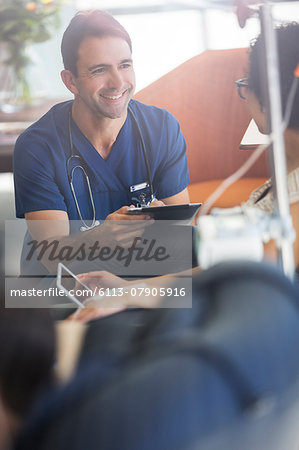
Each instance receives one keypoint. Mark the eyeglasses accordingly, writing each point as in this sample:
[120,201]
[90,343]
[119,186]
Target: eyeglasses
[242,85]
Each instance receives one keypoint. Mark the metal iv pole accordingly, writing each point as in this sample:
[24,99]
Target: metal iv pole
[277,155]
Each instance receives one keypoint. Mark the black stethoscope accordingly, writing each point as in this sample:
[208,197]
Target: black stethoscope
[80,166]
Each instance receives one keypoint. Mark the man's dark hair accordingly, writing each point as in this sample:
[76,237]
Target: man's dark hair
[288,54]
[85,24]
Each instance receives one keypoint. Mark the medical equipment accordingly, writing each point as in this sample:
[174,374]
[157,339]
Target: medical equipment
[227,235]
[80,166]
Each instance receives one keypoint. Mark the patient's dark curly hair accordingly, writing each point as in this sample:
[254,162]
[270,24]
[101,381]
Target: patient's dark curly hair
[288,54]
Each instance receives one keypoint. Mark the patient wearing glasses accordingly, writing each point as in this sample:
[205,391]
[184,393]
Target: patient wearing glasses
[251,90]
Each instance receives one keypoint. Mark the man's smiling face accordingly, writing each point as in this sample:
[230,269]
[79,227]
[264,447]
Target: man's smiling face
[106,78]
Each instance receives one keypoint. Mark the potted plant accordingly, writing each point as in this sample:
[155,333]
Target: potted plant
[23,23]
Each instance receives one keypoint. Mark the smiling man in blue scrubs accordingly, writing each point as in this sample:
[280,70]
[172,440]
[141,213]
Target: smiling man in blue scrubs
[124,147]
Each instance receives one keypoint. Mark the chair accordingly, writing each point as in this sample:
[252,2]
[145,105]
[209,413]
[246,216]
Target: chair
[201,94]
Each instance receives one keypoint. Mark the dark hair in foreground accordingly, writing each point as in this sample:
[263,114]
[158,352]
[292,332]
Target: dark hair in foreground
[26,351]
[26,356]
[85,24]
[287,37]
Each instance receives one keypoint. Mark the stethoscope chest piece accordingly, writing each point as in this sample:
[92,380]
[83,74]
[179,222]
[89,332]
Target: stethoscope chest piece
[90,227]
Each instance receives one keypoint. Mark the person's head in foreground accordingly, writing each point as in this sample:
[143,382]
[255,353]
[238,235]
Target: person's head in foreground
[26,361]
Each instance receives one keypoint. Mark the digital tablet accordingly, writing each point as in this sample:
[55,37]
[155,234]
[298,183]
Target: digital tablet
[77,294]
[168,212]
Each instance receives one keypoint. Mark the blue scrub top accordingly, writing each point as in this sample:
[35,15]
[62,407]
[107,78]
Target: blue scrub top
[41,153]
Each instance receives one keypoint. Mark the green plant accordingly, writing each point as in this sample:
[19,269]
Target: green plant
[21,23]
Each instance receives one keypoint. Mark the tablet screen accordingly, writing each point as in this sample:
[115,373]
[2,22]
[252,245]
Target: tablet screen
[168,212]
[77,291]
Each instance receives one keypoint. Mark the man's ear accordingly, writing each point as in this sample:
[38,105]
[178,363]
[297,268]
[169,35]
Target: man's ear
[69,81]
